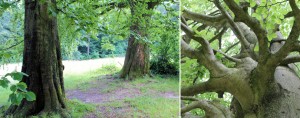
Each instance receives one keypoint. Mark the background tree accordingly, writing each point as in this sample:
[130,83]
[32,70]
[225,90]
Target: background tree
[245,48]
[142,22]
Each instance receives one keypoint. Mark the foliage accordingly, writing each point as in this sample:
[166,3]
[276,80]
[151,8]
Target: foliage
[161,65]
[164,35]
[11,32]
[19,91]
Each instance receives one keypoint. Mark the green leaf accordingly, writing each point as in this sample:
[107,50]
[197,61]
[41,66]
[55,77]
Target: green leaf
[278,21]
[19,98]
[30,96]
[13,98]
[17,75]
[271,36]
[22,86]
[252,3]
[256,15]
[4,82]
[13,88]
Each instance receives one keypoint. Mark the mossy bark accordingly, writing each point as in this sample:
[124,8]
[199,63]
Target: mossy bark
[42,61]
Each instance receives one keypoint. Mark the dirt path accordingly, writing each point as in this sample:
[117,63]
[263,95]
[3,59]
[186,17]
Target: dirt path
[111,97]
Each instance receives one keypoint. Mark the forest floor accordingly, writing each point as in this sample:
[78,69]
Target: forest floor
[94,91]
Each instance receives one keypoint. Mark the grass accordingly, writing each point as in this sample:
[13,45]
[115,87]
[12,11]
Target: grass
[155,107]
[74,80]
[76,109]
[79,109]
[158,83]
[148,103]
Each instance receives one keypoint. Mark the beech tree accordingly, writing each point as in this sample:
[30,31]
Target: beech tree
[140,20]
[255,65]
[41,61]
[137,57]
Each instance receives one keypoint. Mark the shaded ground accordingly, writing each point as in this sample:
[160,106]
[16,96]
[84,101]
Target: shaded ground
[115,98]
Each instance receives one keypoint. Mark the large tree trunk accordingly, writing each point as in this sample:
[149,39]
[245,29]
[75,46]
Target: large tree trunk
[285,102]
[42,62]
[280,103]
[136,62]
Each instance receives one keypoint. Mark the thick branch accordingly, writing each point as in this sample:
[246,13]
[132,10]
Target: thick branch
[254,24]
[233,81]
[191,34]
[187,50]
[291,59]
[205,19]
[213,109]
[213,85]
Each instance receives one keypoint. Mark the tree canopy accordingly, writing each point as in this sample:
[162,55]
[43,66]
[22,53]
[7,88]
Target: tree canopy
[239,47]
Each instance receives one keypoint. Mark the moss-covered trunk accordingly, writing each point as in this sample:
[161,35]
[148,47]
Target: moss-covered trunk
[137,57]
[42,62]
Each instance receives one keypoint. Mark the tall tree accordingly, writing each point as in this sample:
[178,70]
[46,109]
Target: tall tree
[259,76]
[137,57]
[41,61]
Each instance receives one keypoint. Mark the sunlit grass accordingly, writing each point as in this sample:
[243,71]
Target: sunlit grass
[79,109]
[155,107]
[75,80]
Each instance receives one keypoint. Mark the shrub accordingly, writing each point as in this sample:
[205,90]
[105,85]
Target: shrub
[162,65]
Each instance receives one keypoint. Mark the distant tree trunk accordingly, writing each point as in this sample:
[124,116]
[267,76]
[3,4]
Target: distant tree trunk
[42,62]
[136,62]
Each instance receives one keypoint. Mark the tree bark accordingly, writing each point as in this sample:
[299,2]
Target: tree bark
[136,62]
[42,61]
